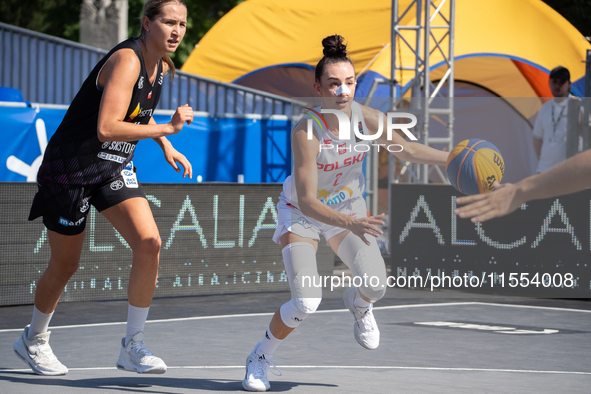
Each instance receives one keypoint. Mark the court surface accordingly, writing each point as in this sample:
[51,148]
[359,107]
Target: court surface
[431,342]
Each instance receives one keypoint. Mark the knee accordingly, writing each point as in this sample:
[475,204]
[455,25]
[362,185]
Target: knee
[373,293]
[149,245]
[306,305]
[64,269]
[296,310]
[305,299]
[375,277]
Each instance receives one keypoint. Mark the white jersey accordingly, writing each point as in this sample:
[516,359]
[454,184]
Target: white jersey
[551,127]
[340,167]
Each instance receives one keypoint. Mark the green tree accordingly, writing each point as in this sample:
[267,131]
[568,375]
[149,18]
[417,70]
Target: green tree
[55,17]
[201,16]
[61,18]
[577,12]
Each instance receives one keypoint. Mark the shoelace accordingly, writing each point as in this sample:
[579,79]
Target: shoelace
[139,348]
[262,365]
[43,351]
[366,322]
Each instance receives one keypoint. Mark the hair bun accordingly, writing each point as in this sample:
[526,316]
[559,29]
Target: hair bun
[334,47]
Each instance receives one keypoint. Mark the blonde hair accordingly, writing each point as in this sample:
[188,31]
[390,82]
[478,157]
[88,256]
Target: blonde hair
[152,9]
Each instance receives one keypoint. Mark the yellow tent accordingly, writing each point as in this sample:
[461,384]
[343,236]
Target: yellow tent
[505,46]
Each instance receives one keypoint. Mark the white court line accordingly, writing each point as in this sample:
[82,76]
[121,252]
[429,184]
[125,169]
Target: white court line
[341,367]
[534,307]
[325,311]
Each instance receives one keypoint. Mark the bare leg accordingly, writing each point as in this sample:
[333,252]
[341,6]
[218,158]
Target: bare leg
[278,328]
[33,347]
[134,221]
[63,263]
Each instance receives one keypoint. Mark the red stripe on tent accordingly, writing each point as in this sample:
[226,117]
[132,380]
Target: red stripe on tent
[537,79]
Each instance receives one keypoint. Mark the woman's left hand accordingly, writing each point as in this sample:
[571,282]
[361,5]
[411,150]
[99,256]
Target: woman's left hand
[173,156]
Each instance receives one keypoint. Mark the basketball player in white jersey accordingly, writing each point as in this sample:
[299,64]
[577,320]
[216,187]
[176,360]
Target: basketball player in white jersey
[324,196]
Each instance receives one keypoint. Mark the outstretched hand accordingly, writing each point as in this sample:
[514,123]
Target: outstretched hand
[482,207]
[363,226]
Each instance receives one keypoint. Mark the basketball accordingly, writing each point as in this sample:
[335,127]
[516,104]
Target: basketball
[474,165]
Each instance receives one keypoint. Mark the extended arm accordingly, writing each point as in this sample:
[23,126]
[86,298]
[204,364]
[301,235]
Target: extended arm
[570,176]
[411,151]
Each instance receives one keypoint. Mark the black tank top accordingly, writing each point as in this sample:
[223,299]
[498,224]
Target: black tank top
[74,154]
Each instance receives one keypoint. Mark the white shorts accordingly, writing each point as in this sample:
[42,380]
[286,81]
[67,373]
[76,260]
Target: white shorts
[292,220]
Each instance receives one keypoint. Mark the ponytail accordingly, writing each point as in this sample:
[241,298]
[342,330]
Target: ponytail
[171,69]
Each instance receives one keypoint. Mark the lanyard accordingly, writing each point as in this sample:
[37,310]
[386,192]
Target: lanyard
[555,122]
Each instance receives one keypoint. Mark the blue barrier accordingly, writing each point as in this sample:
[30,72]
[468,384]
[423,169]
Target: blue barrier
[219,149]
[50,70]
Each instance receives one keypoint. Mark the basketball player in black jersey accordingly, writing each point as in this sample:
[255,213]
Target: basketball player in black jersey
[88,161]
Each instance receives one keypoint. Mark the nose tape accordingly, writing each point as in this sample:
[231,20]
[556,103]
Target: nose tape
[342,89]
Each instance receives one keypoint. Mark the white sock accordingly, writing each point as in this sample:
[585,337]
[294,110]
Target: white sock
[359,302]
[39,323]
[269,344]
[136,320]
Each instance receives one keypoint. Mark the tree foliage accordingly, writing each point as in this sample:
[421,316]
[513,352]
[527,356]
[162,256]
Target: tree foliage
[577,12]
[61,18]
[201,16]
[55,17]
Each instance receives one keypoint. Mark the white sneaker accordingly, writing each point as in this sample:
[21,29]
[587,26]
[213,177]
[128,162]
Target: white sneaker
[256,372]
[38,354]
[135,357]
[366,329]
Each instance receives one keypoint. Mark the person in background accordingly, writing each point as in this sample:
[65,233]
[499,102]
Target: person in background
[549,136]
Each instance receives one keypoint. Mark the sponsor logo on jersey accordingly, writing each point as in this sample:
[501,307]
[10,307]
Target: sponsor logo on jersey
[116,185]
[120,146]
[327,141]
[140,84]
[135,112]
[138,112]
[110,157]
[69,223]
[336,197]
[150,95]
[145,112]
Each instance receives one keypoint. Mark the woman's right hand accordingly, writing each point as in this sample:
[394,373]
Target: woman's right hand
[367,225]
[182,114]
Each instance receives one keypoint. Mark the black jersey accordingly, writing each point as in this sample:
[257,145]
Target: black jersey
[74,154]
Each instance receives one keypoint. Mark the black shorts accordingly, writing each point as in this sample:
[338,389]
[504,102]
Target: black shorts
[64,207]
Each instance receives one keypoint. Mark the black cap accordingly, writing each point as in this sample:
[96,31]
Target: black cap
[560,72]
